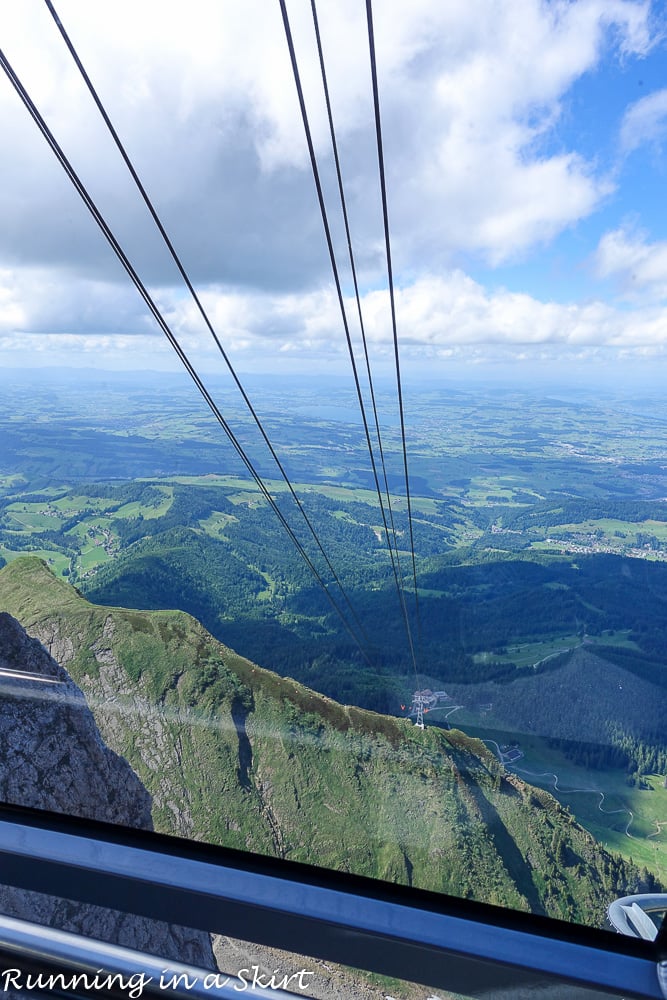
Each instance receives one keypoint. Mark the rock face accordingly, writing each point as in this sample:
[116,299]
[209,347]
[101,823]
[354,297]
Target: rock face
[52,757]
[51,753]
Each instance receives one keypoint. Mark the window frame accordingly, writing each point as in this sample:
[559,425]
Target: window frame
[395,930]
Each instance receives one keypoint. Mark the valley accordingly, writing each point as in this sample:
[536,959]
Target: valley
[236,755]
[540,530]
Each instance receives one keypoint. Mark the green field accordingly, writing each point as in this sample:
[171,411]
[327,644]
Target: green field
[640,837]
[55,560]
[248,490]
[635,837]
[11,480]
[136,508]
[610,526]
[532,654]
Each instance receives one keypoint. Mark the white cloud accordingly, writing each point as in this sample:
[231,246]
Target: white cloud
[204,99]
[141,349]
[490,100]
[457,311]
[50,302]
[439,317]
[472,95]
[12,314]
[638,266]
[645,121]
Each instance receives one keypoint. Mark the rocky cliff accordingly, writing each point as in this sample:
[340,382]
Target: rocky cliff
[51,752]
[53,757]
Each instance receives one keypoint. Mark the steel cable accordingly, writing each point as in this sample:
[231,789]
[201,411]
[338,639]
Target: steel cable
[341,190]
[184,275]
[390,278]
[128,267]
[339,292]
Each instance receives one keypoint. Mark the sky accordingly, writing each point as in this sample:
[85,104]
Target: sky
[525,145]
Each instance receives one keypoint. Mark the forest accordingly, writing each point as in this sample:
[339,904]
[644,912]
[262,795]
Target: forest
[137,502]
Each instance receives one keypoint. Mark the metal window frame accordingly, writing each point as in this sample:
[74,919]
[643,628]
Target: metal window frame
[440,941]
[89,968]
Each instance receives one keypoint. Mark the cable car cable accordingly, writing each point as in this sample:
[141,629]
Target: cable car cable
[398,576]
[157,315]
[385,215]
[353,269]
[198,303]
[334,266]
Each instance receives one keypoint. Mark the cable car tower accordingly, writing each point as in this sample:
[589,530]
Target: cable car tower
[423,702]
[419,700]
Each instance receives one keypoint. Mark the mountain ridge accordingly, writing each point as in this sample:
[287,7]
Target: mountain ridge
[237,755]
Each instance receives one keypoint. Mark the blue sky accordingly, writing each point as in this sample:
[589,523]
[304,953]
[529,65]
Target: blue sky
[526,150]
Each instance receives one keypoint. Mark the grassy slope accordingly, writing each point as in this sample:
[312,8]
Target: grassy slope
[236,755]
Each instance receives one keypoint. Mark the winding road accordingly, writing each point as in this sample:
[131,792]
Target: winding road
[571,791]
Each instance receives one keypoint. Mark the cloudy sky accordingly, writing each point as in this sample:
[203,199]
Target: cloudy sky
[525,146]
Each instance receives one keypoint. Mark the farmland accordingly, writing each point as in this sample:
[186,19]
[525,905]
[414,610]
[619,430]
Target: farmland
[540,531]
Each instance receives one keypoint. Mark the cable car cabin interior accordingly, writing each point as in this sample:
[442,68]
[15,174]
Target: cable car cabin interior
[332,500]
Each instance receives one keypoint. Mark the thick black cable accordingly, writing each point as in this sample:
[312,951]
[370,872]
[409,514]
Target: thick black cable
[353,269]
[184,275]
[157,315]
[390,277]
[339,292]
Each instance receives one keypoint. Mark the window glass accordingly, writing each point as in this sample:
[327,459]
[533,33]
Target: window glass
[233,623]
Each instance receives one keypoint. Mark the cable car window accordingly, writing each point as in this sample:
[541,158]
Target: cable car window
[333,507]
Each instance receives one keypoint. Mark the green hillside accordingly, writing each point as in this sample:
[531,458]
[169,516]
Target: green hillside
[236,755]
